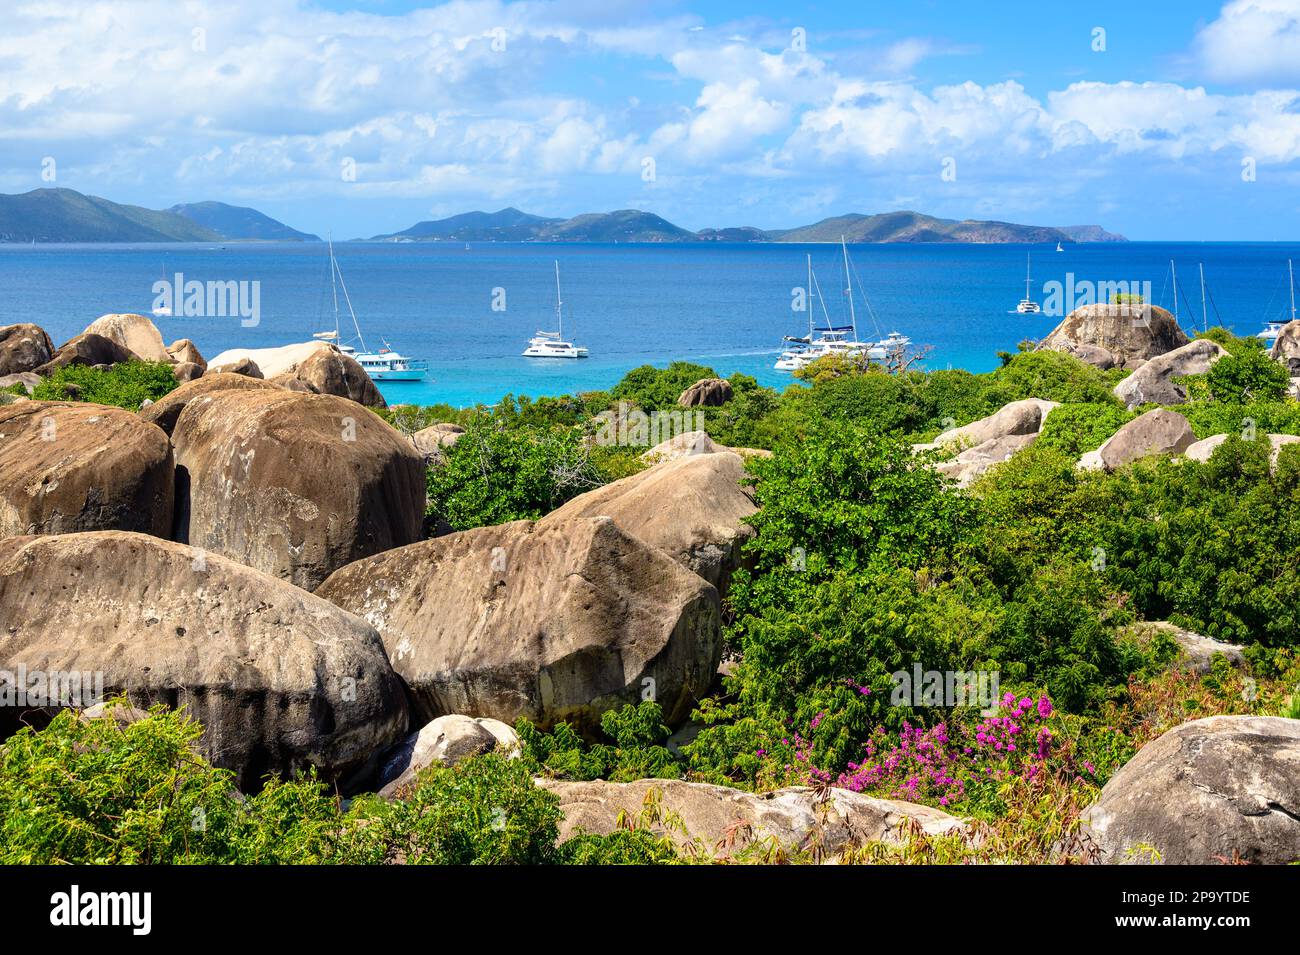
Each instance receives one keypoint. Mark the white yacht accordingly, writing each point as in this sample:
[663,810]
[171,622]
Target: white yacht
[893,342]
[1027,304]
[552,344]
[1273,327]
[382,365]
[1058,247]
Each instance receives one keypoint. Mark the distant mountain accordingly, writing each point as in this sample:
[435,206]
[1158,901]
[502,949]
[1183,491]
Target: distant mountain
[64,215]
[508,225]
[240,222]
[1091,233]
[916,227]
[511,225]
[633,225]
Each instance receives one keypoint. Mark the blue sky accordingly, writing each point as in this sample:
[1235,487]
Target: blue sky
[1180,121]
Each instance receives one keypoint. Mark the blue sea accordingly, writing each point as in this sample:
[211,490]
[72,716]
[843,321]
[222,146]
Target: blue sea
[722,305]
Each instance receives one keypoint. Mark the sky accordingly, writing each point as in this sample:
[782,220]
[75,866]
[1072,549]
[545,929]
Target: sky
[1158,120]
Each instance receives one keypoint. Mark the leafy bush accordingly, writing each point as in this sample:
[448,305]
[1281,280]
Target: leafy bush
[1247,374]
[651,388]
[637,750]
[494,474]
[1076,428]
[126,385]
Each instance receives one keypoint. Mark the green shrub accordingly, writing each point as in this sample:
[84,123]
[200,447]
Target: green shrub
[637,750]
[1076,428]
[126,385]
[494,473]
[1248,374]
[651,388]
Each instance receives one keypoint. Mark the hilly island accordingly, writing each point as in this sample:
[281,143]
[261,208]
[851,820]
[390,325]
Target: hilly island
[65,215]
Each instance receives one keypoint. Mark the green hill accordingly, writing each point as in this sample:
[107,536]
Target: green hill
[64,215]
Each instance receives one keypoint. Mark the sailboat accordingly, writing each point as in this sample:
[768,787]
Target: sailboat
[1273,328]
[552,344]
[792,359]
[1027,305]
[383,365]
[161,311]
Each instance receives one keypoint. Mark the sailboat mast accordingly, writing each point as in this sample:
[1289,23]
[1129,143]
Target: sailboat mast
[1291,272]
[848,275]
[334,287]
[559,310]
[1175,271]
[1028,255]
[809,304]
[1205,320]
[348,299]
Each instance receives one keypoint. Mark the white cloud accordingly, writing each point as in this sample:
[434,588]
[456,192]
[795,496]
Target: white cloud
[1252,41]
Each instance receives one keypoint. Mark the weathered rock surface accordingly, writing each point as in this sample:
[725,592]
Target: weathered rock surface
[87,349]
[695,442]
[1278,442]
[1197,651]
[29,380]
[1126,331]
[724,822]
[330,372]
[187,371]
[69,466]
[555,622]
[694,508]
[707,392]
[168,408]
[183,350]
[1015,418]
[273,362]
[238,366]
[279,679]
[1094,355]
[1157,432]
[1286,348]
[973,462]
[136,333]
[1153,382]
[296,485]
[429,442]
[1206,791]
[445,741]
[23,348]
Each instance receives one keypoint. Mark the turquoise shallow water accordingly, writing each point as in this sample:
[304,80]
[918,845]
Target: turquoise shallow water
[722,305]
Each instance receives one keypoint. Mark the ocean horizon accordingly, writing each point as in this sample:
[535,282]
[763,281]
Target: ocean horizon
[469,311]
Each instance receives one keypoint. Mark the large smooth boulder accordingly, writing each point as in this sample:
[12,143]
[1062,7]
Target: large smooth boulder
[183,351]
[187,371]
[28,379]
[87,349]
[429,442]
[1206,792]
[272,362]
[707,392]
[553,622]
[166,410]
[1157,432]
[1154,383]
[279,679]
[297,485]
[72,466]
[23,348]
[971,463]
[1015,418]
[1203,449]
[1286,347]
[136,333]
[329,372]
[245,367]
[724,822]
[694,508]
[444,742]
[1125,331]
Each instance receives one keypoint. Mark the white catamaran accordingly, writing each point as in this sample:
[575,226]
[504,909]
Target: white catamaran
[835,340]
[1027,304]
[383,365]
[1273,327]
[552,344]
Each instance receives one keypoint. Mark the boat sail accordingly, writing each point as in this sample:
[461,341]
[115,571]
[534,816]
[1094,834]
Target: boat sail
[383,365]
[1273,327]
[552,344]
